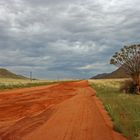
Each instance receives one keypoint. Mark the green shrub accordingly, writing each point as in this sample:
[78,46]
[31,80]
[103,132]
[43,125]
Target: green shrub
[128,87]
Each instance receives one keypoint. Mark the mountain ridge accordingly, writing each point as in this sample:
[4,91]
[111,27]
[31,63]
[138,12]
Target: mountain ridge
[119,73]
[4,73]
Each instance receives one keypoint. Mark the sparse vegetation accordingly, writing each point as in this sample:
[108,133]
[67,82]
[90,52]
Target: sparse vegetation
[128,58]
[124,109]
[128,87]
[8,83]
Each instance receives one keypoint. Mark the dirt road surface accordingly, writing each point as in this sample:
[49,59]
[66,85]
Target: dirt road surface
[64,111]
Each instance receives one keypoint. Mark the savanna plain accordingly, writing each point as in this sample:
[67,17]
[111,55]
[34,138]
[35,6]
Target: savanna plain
[124,109]
[35,103]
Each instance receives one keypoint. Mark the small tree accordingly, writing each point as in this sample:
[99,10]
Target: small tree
[128,58]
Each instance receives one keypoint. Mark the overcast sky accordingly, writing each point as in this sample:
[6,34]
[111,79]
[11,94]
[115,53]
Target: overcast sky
[65,38]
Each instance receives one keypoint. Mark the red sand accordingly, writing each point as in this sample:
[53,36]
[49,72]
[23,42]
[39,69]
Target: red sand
[65,111]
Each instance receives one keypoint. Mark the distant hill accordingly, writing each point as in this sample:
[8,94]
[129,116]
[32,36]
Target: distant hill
[4,73]
[119,73]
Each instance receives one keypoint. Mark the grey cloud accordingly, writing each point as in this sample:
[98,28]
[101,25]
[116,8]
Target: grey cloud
[61,38]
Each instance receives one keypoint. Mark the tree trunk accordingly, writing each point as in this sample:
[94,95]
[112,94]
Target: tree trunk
[136,80]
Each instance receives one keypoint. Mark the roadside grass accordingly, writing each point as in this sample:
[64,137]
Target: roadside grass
[124,109]
[7,83]
[10,83]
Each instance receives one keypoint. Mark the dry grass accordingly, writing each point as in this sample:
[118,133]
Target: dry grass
[124,109]
[116,83]
[7,83]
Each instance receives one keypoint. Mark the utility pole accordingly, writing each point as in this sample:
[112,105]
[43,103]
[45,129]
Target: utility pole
[31,75]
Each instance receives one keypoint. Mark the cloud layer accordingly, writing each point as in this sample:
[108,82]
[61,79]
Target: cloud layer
[65,39]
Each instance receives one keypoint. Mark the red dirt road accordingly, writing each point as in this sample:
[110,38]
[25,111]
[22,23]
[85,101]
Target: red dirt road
[65,111]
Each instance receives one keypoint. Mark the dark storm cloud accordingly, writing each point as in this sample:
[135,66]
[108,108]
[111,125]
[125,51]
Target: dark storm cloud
[65,39]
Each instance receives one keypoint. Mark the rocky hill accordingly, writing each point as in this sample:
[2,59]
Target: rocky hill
[119,73]
[4,73]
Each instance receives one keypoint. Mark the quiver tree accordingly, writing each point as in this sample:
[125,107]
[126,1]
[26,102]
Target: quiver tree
[128,58]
